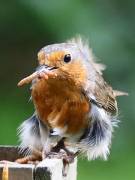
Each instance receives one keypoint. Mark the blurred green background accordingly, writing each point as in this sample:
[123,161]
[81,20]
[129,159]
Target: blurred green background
[28,25]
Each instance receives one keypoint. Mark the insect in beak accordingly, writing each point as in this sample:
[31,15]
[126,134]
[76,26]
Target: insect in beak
[43,71]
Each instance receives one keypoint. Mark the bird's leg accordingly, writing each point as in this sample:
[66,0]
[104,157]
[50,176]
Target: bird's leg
[55,151]
[60,145]
[67,155]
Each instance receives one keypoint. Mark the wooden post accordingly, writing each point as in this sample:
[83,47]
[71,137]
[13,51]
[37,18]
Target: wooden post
[48,169]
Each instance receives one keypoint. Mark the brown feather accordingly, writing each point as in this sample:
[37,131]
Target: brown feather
[58,103]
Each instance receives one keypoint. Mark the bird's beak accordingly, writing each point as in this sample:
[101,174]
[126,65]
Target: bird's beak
[45,68]
[43,71]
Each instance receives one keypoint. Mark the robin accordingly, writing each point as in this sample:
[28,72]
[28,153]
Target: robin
[75,109]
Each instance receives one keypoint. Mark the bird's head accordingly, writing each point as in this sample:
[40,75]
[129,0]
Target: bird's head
[69,60]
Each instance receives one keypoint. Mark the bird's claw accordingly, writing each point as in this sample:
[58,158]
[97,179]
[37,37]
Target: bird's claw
[69,158]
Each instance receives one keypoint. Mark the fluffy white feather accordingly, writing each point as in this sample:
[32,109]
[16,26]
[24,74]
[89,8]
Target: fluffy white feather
[101,148]
[28,136]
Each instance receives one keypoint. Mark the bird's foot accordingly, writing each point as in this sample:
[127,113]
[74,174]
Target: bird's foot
[69,158]
[57,155]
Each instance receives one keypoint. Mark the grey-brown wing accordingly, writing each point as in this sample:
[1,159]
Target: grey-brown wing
[104,96]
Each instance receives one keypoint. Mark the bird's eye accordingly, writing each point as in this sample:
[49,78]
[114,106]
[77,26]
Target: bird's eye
[67,58]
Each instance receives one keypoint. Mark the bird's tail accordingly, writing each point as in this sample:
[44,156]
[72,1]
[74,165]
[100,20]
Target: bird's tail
[119,93]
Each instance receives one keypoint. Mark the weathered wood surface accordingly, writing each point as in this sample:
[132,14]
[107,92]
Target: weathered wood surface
[19,172]
[48,169]
[10,153]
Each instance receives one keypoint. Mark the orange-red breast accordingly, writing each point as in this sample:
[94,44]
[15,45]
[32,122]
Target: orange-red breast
[72,102]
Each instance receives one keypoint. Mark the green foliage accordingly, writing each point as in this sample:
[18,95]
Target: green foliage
[28,25]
